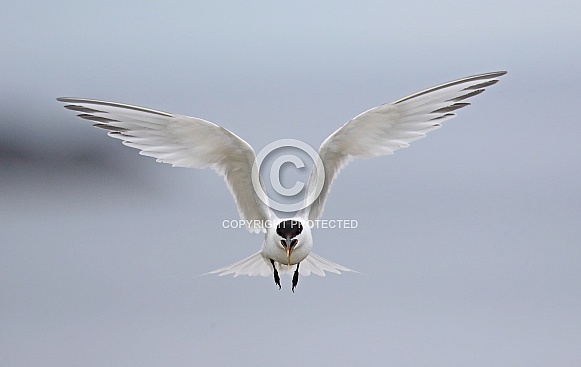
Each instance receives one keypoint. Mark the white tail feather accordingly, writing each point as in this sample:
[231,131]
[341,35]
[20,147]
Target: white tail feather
[318,265]
[253,265]
[257,264]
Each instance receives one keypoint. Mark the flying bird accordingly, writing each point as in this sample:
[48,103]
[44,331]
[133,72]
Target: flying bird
[196,143]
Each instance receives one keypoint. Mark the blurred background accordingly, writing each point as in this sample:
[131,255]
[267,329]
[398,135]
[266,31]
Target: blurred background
[468,242]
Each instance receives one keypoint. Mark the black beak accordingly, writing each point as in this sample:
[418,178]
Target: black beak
[289,244]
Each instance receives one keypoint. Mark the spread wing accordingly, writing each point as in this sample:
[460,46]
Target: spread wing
[391,126]
[183,142]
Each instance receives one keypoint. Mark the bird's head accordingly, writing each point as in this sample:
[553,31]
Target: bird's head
[289,236]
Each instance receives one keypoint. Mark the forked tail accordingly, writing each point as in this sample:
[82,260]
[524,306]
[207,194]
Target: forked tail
[257,264]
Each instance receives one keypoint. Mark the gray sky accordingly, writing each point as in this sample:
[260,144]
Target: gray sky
[468,241]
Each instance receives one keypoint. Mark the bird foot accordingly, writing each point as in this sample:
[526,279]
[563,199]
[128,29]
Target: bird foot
[276,277]
[296,277]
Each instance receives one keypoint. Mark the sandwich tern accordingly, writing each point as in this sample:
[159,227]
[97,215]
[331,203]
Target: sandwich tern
[195,143]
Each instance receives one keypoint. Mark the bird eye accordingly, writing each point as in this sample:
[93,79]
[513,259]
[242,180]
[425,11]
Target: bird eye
[294,242]
[282,243]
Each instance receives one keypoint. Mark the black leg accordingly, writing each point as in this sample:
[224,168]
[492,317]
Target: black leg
[276,277]
[296,277]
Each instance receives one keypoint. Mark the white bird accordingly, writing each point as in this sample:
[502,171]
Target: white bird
[195,143]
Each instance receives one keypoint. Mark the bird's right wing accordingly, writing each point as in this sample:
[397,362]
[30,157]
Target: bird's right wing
[183,142]
[391,126]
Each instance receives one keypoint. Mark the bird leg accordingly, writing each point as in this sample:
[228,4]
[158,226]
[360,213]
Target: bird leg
[296,277]
[276,277]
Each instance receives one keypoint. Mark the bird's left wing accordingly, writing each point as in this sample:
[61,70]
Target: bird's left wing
[183,142]
[391,126]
